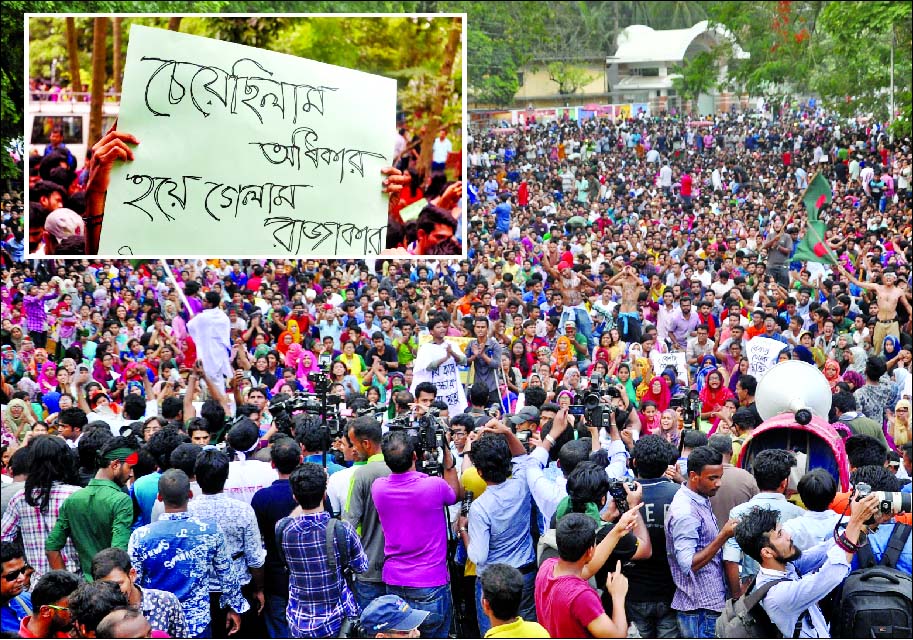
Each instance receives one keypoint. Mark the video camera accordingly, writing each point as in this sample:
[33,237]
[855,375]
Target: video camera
[691,407]
[594,410]
[320,406]
[427,434]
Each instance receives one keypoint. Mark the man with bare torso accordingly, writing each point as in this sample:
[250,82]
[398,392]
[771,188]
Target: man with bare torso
[569,283]
[888,295]
[629,285]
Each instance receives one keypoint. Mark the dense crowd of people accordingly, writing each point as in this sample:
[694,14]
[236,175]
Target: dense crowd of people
[492,446]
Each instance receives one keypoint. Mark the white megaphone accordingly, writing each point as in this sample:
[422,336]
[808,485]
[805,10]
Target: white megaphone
[794,387]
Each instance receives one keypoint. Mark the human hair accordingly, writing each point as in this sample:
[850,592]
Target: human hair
[109,627]
[184,457]
[89,445]
[212,298]
[652,455]
[745,418]
[817,488]
[51,461]
[879,477]
[211,470]
[398,450]
[875,367]
[366,428]
[174,487]
[309,485]
[53,586]
[754,529]
[285,454]
[19,461]
[771,467]
[432,216]
[134,407]
[863,450]
[535,397]
[571,454]
[309,433]
[702,457]
[502,587]
[92,601]
[692,439]
[214,415]
[720,442]
[575,535]
[479,394]
[73,417]
[172,408]
[491,456]
[588,483]
[749,383]
[243,435]
[10,551]
[843,402]
[197,424]
[425,387]
[107,560]
[163,443]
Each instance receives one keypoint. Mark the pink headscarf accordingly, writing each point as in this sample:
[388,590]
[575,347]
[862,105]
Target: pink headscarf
[47,379]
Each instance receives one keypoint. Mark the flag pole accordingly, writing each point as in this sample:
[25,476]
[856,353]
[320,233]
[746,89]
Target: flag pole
[810,227]
[180,291]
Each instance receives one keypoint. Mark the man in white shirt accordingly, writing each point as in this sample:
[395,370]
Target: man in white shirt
[439,151]
[665,179]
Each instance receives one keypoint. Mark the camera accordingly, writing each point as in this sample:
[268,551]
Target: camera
[427,435]
[619,495]
[888,501]
[466,502]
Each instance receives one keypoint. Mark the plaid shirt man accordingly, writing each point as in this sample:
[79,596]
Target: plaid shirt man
[35,314]
[35,527]
[318,601]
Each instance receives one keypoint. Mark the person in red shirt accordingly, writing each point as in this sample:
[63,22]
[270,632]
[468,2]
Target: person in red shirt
[686,184]
[50,607]
[566,605]
[787,158]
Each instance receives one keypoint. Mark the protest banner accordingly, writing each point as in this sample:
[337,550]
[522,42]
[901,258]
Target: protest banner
[445,378]
[459,344]
[247,152]
[675,359]
[762,355]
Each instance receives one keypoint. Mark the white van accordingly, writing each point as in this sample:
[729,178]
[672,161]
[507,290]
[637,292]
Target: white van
[72,117]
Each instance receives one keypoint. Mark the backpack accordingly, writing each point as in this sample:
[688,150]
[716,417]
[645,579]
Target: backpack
[745,617]
[875,601]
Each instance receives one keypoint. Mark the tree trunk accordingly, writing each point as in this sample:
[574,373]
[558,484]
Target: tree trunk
[99,57]
[118,69]
[444,82]
[73,55]
[174,23]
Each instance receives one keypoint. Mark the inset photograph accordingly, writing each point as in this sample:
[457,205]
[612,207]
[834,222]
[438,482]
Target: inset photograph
[245,136]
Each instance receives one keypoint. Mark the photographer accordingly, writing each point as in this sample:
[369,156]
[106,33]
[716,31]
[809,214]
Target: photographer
[809,576]
[407,501]
[881,479]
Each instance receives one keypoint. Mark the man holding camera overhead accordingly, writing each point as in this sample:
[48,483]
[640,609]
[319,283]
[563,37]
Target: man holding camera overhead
[408,501]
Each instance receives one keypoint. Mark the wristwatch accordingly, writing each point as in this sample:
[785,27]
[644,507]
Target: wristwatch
[463,530]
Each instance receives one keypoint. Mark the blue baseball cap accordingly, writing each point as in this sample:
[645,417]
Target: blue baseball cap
[391,613]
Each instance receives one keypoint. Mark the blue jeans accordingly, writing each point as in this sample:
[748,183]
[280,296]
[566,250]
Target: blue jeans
[368,592]
[274,616]
[527,603]
[653,619]
[437,600]
[700,623]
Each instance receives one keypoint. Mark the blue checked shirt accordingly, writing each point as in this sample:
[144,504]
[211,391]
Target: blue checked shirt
[318,601]
[176,554]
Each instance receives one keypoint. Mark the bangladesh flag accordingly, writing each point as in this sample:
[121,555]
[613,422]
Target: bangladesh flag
[817,196]
[812,248]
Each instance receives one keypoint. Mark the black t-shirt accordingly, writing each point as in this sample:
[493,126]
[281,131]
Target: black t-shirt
[624,551]
[650,580]
[388,357]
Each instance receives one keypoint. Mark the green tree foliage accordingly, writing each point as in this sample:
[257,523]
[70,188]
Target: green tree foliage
[568,77]
[697,75]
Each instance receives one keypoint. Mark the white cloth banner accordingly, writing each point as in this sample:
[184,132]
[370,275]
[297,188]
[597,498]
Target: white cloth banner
[446,377]
[762,355]
[211,331]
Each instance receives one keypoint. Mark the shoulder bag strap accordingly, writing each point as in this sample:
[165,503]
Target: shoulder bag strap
[865,557]
[331,546]
[895,545]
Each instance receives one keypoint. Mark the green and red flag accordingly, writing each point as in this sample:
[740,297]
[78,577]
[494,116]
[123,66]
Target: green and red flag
[812,247]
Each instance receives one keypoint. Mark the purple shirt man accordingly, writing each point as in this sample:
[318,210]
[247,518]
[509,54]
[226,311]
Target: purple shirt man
[683,322]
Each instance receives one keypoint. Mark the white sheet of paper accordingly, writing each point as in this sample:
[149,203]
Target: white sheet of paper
[247,152]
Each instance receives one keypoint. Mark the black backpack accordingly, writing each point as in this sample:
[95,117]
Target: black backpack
[875,601]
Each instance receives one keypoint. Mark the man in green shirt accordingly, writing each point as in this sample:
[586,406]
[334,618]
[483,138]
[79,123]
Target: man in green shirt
[101,515]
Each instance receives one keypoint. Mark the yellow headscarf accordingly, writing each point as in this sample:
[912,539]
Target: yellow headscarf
[900,426]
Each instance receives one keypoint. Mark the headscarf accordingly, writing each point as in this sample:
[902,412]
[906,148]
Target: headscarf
[674,434]
[834,378]
[293,356]
[645,373]
[661,399]
[671,376]
[564,352]
[15,425]
[854,378]
[711,399]
[894,342]
[708,364]
[860,358]
[261,351]
[804,354]
[900,427]
[47,379]
[281,347]
[292,328]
